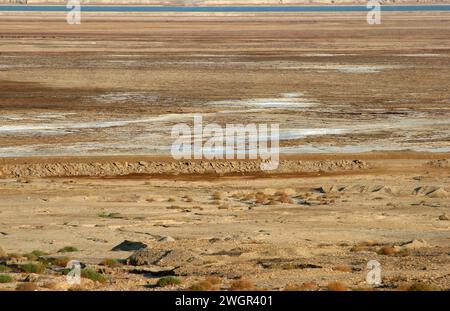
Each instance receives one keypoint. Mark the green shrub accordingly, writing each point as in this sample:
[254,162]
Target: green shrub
[68,249]
[93,275]
[168,281]
[111,263]
[32,267]
[6,278]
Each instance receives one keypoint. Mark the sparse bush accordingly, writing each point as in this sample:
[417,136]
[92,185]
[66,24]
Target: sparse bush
[342,268]
[26,287]
[387,250]
[208,284]
[93,275]
[171,200]
[337,287]
[242,285]
[113,263]
[39,253]
[32,267]
[304,287]
[201,286]
[4,268]
[60,261]
[422,287]
[6,278]
[168,281]
[68,249]
[217,196]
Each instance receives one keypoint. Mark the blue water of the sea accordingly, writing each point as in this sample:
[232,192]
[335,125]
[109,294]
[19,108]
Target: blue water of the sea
[218,9]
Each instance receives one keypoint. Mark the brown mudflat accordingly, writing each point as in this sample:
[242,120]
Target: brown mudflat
[374,186]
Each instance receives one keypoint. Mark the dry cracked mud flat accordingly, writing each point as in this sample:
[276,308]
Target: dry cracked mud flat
[85,130]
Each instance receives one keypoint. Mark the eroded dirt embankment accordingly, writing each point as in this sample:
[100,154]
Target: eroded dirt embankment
[122,168]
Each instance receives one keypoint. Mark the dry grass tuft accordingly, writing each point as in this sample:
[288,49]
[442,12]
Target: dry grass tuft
[387,250]
[343,268]
[61,261]
[168,281]
[32,267]
[419,287]
[308,286]
[242,285]
[109,262]
[217,195]
[337,287]
[26,287]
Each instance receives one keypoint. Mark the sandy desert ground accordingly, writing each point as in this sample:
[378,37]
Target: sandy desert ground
[85,130]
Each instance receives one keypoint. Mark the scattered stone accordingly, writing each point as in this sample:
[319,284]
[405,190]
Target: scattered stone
[154,271]
[438,193]
[444,217]
[129,246]
[232,252]
[432,192]
[414,244]
[162,257]
[166,239]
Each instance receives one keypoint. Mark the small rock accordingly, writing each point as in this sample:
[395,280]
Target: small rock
[129,246]
[166,239]
[444,217]
[415,244]
[32,277]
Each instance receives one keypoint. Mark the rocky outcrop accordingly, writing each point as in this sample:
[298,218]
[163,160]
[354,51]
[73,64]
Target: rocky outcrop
[123,168]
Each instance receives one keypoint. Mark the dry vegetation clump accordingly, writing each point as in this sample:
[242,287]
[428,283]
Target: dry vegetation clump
[260,198]
[343,268]
[364,246]
[110,262]
[419,287]
[337,287]
[171,199]
[248,197]
[32,267]
[210,283]
[308,286]
[26,287]
[6,278]
[68,249]
[242,285]
[387,250]
[60,261]
[93,275]
[217,195]
[168,281]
